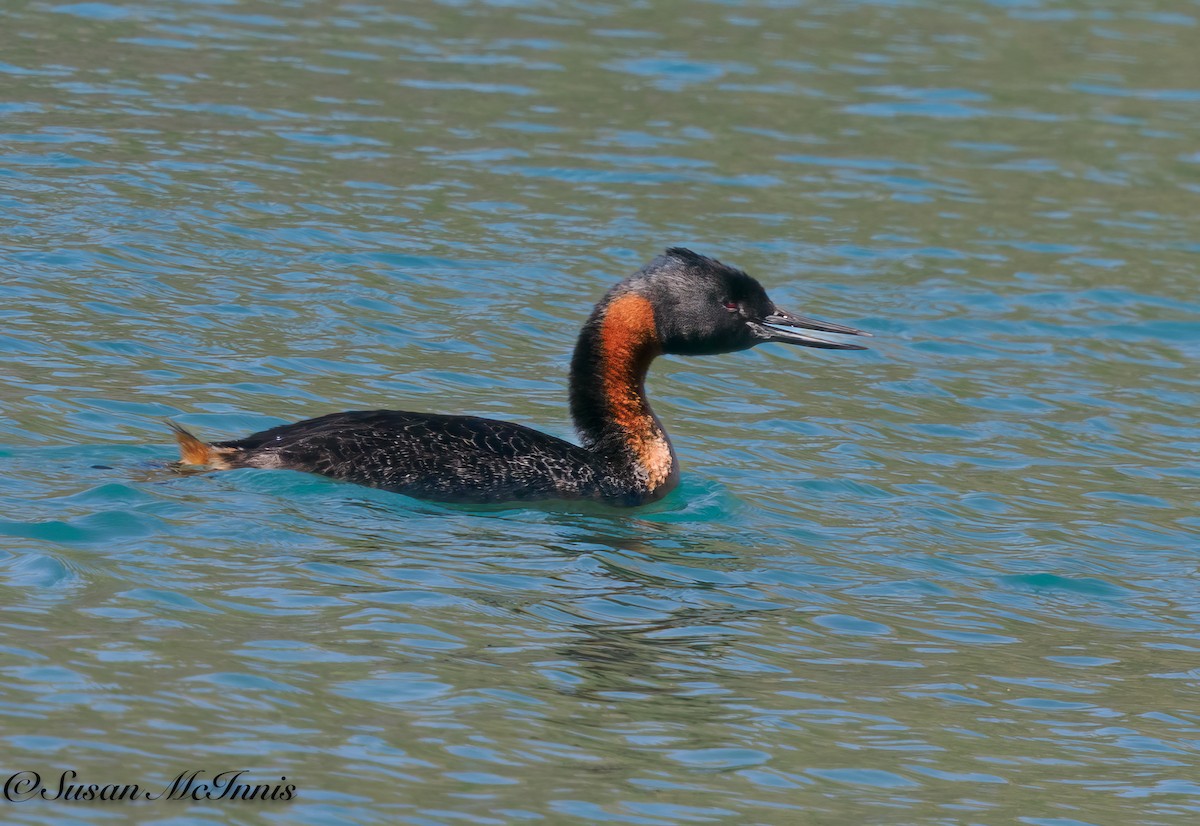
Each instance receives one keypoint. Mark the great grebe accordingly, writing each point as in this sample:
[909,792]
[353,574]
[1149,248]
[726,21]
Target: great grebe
[681,303]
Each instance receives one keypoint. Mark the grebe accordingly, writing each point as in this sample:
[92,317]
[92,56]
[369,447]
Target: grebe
[681,303]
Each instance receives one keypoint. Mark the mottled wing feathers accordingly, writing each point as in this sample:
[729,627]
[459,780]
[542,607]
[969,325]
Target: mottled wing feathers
[426,455]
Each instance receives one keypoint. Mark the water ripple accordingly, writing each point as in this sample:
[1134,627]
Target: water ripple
[952,576]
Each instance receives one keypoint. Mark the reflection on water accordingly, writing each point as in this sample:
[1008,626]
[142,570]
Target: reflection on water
[948,580]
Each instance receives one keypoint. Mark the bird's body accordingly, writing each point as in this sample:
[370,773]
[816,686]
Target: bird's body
[680,303]
[425,455]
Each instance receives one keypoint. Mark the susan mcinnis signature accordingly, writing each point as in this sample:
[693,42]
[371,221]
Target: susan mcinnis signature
[194,785]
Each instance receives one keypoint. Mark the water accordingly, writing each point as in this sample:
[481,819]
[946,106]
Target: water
[950,580]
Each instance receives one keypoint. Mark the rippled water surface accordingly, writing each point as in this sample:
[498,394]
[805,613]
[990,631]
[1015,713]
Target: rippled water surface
[949,580]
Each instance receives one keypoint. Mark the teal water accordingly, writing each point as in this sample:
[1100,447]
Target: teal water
[949,580]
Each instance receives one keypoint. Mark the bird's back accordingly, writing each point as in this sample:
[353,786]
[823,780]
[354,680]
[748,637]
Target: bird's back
[426,455]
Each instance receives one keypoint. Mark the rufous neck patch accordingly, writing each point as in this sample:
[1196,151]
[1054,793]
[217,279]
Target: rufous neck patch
[628,343]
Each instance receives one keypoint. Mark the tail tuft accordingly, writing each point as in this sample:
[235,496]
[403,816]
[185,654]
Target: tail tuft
[192,451]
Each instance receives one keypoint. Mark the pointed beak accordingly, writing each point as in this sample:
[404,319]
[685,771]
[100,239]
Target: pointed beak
[768,329]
